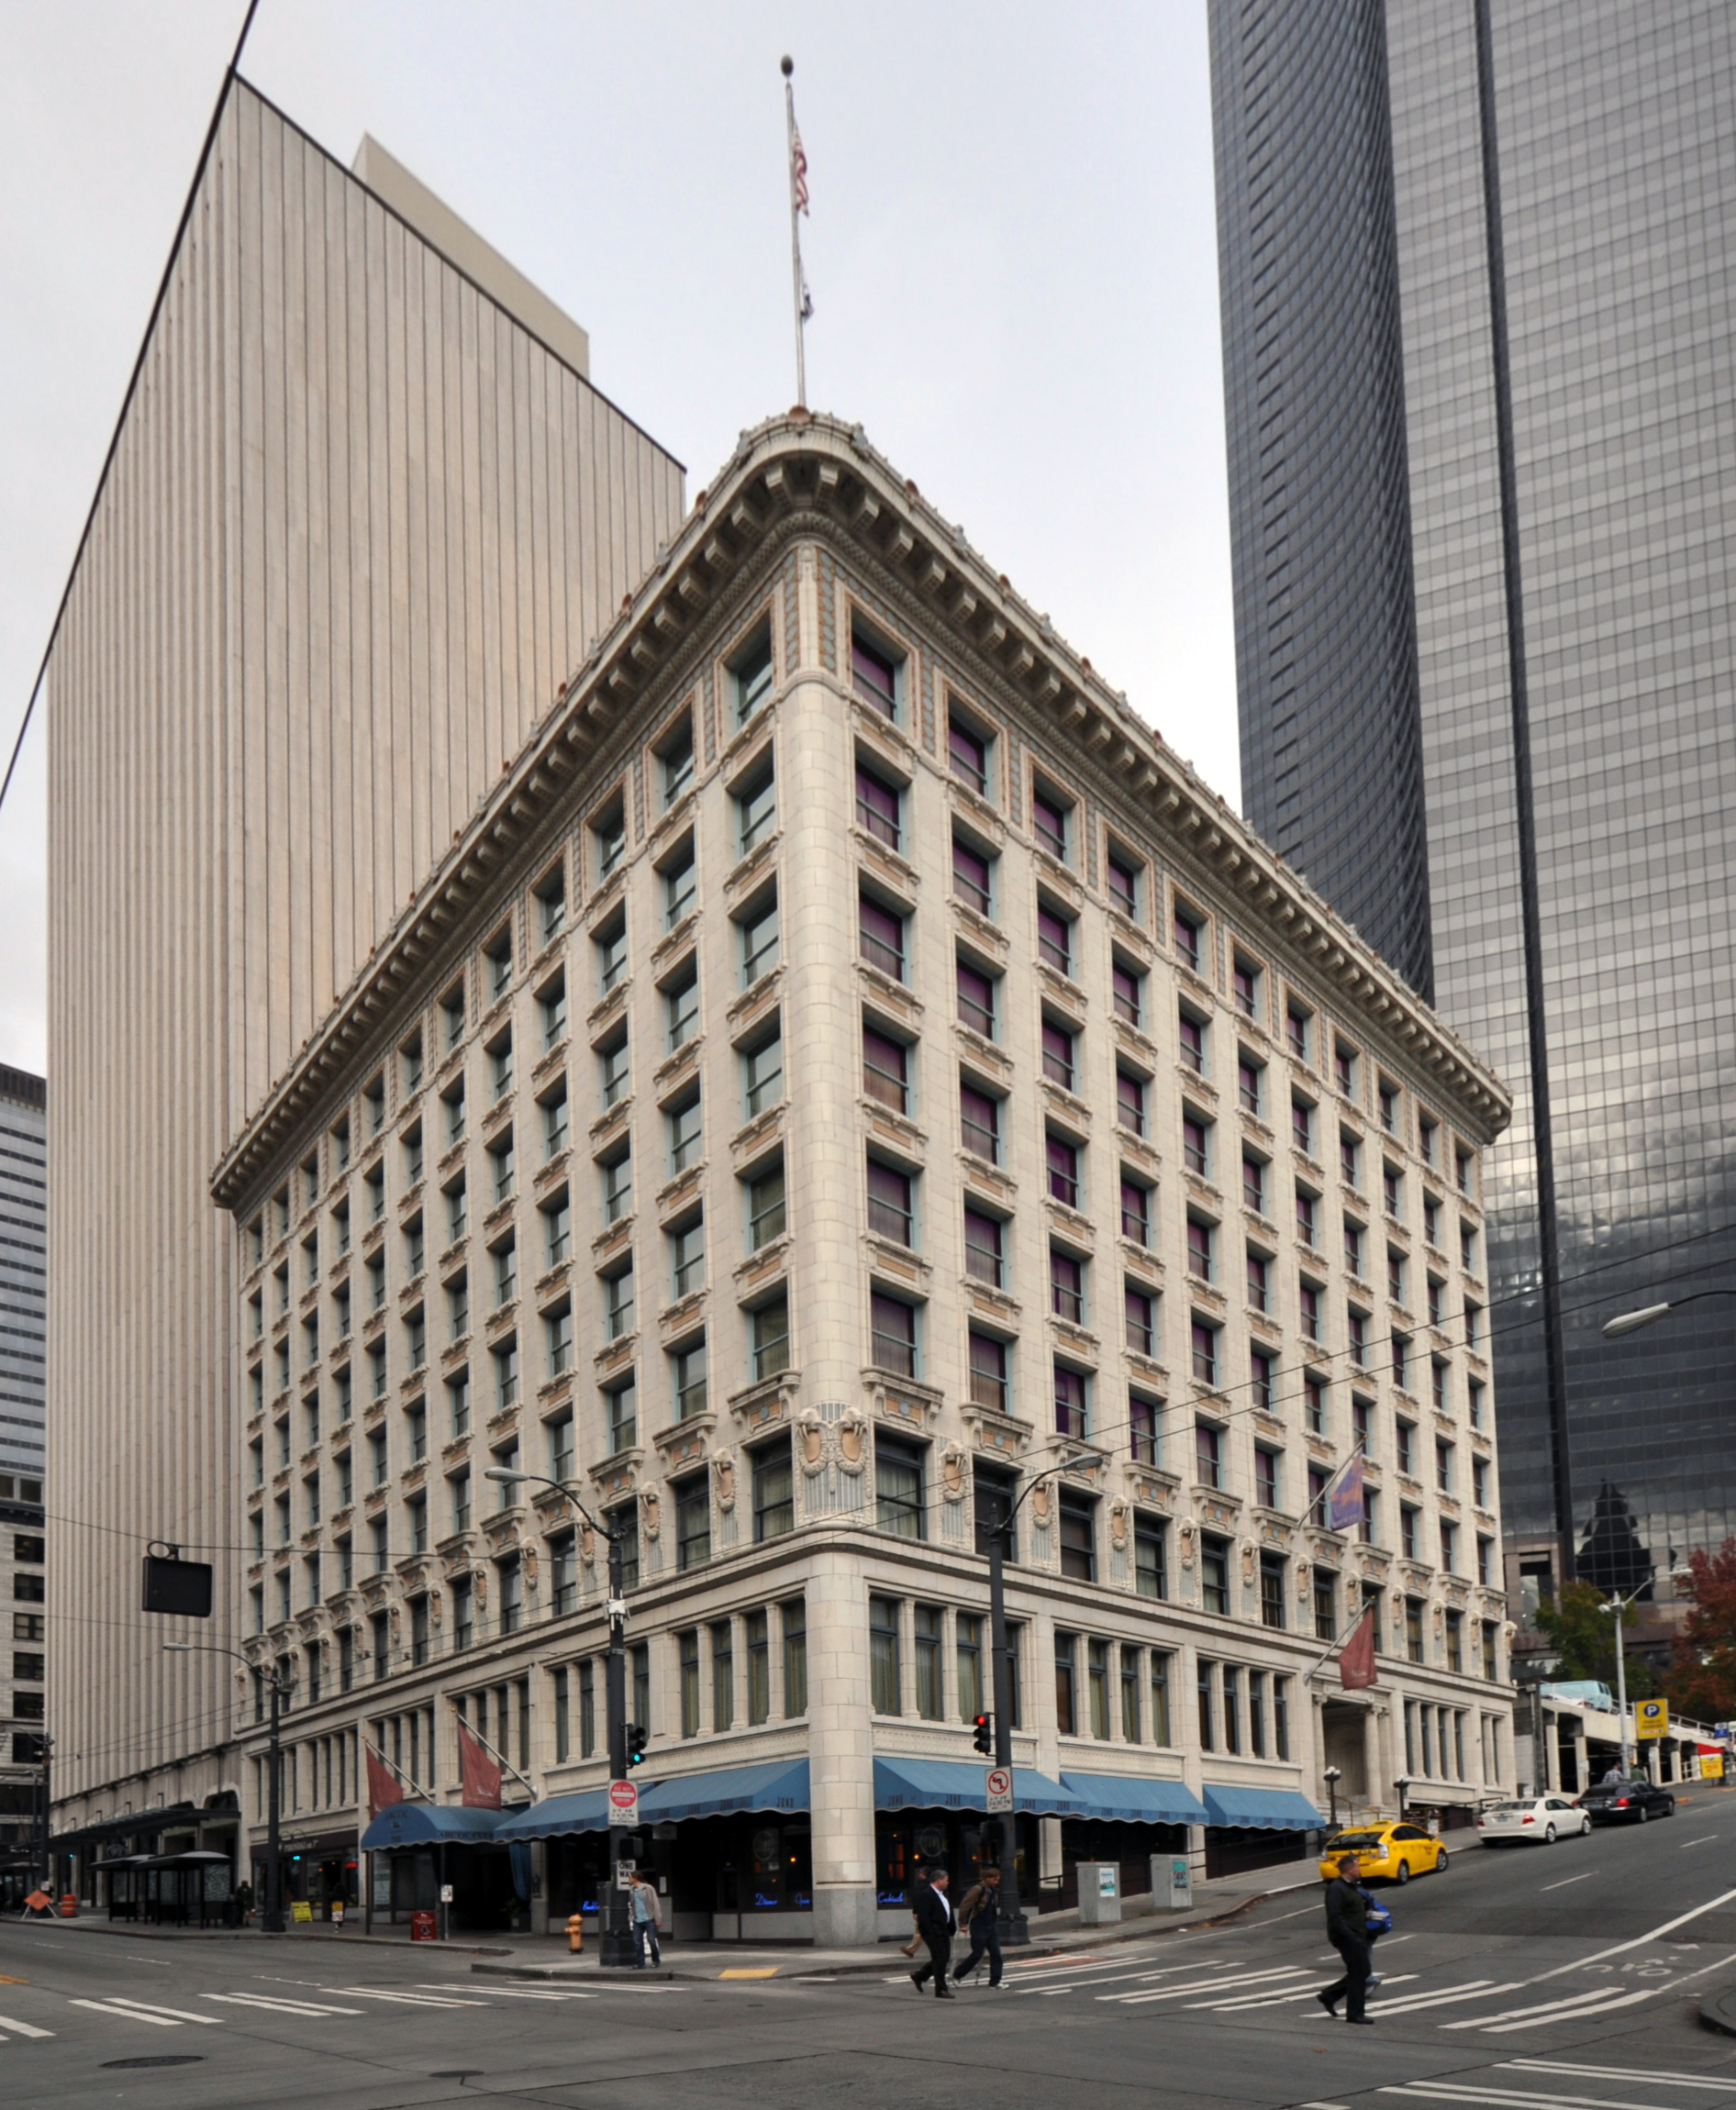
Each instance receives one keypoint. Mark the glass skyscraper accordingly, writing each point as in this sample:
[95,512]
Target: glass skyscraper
[1477,253]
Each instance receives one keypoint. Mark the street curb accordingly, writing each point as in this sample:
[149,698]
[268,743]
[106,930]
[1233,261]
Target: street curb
[1718,2011]
[1145,1928]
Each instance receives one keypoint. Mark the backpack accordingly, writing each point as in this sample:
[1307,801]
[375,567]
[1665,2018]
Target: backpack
[1380,1921]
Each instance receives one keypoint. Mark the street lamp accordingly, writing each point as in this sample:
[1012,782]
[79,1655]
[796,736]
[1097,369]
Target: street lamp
[619,1950]
[1403,1785]
[1618,1605]
[271,1918]
[1648,1315]
[1014,1931]
[1332,1776]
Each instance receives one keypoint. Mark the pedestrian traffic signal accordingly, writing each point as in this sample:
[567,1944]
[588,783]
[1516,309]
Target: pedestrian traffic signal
[983,1739]
[635,1746]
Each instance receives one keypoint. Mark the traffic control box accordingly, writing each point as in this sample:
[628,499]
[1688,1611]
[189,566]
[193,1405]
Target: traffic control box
[1171,1883]
[1099,1893]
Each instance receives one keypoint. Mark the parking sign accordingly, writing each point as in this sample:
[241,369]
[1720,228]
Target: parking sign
[1651,1718]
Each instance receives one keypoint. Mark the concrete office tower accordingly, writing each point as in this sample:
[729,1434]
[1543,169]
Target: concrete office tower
[1533,209]
[849,1077]
[363,514]
[23,1351]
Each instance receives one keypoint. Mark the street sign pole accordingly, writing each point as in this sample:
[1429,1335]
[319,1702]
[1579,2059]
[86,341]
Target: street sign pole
[1014,1931]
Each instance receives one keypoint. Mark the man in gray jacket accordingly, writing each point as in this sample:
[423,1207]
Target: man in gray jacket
[1347,1930]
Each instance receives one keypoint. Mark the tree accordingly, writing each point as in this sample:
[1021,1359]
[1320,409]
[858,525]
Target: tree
[1702,1679]
[1584,1636]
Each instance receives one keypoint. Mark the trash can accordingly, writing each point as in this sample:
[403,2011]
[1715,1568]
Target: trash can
[1171,1883]
[1099,1893]
[424,1926]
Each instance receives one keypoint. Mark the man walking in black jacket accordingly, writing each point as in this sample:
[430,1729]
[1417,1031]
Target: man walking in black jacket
[934,1923]
[1347,1930]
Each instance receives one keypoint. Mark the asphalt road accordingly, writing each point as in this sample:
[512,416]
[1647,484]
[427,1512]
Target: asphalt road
[1535,1977]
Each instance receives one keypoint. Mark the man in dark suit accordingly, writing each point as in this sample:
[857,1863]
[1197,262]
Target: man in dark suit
[934,1923]
[1347,1930]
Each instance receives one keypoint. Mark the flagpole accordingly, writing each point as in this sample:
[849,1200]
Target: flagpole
[1357,1618]
[795,234]
[499,1758]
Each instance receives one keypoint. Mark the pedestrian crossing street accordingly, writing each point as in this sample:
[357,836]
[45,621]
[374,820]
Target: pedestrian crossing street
[327,2002]
[1236,1988]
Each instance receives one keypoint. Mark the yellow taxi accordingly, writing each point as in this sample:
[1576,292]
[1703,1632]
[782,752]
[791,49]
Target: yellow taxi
[1396,1852]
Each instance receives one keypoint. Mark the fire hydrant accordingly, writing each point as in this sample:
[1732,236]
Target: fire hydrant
[575,1933]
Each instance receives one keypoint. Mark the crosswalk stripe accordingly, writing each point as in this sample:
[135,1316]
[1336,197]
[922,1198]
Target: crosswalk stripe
[1601,2007]
[1122,1976]
[126,2013]
[406,1999]
[1724,2087]
[1544,2008]
[180,2014]
[534,1993]
[1279,1999]
[1492,2099]
[23,2028]
[1206,1985]
[278,2006]
[1521,2095]
[1480,1989]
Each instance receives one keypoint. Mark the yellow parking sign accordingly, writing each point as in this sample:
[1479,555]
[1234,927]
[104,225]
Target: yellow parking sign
[1651,1718]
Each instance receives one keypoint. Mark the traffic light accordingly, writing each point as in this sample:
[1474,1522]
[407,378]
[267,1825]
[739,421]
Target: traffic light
[985,1736]
[635,1746]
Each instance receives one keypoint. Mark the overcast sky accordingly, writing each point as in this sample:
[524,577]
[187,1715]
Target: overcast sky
[1011,251]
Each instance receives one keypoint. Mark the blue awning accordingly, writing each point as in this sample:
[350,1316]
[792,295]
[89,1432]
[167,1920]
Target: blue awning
[1136,1801]
[559,1817]
[780,1784]
[945,1784]
[1263,1809]
[423,1824]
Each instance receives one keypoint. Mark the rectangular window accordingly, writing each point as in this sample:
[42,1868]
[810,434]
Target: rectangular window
[687,1256]
[970,876]
[756,810]
[930,1624]
[1126,993]
[1066,1650]
[1245,986]
[723,1675]
[886,1066]
[688,1378]
[752,674]
[1195,1144]
[1159,1697]
[976,1000]
[1078,1536]
[1191,1033]
[898,1488]
[620,1414]
[1200,1250]
[884,1672]
[1265,1476]
[755,1633]
[1070,1401]
[1054,939]
[1204,1341]
[770,1329]
[1272,1589]
[1097,1686]
[1144,1418]
[891,1213]
[763,1071]
[877,808]
[1130,1102]
[692,1523]
[1140,1309]
[1057,1051]
[968,1655]
[1123,874]
[1259,1281]
[760,935]
[894,1325]
[618,1187]
[619,1305]
[686,1137]
[687,1673]
[795,1621]
[1150,1577]
[882,937]
[1208,1454]
[968,755]
[1233,1708]
[979,1122]
[1136,1210]
[1066,1286]
[1186,928]
[1063,1160]
[681,1005]
[676,758]
[766,1207]
[1214,1575]
[613,1065]
[983,1235]
[1049,819]
[988,1372]
[874,674]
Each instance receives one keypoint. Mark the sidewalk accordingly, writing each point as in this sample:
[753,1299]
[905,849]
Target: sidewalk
[547,1956]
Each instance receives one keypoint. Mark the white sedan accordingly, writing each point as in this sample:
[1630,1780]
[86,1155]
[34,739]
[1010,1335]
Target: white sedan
[1537,1823]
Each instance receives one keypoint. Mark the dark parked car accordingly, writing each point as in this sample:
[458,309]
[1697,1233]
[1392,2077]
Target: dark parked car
[1631,1801]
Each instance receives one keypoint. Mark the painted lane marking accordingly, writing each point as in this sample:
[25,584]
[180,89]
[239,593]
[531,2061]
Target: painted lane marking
[1278,1999]
[180,2014]
[1621,1948]
[1620,2073]
[278,2006]
[1491,2099]
[1128,1977]
[1478,1989]
[23,2028]
[126,2013]
[1566,1880]
[1543,2008]
[1700,1842]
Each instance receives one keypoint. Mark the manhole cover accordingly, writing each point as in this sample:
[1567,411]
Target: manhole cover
[164,2058]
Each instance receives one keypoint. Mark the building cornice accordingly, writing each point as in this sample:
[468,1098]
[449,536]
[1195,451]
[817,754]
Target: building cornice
[799,473]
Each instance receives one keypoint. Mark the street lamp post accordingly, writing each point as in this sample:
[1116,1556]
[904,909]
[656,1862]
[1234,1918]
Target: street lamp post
[619,1951]
[1403,1785]
[1648,1315]
[1015,1931]
[1617,1605]
[1332,1776]
[270,1917]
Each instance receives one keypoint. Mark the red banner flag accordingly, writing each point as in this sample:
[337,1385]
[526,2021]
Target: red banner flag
[1356,1659]
[478,1771]
[383,1787]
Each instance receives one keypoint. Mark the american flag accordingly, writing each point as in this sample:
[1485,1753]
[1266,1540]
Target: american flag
[798,171]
